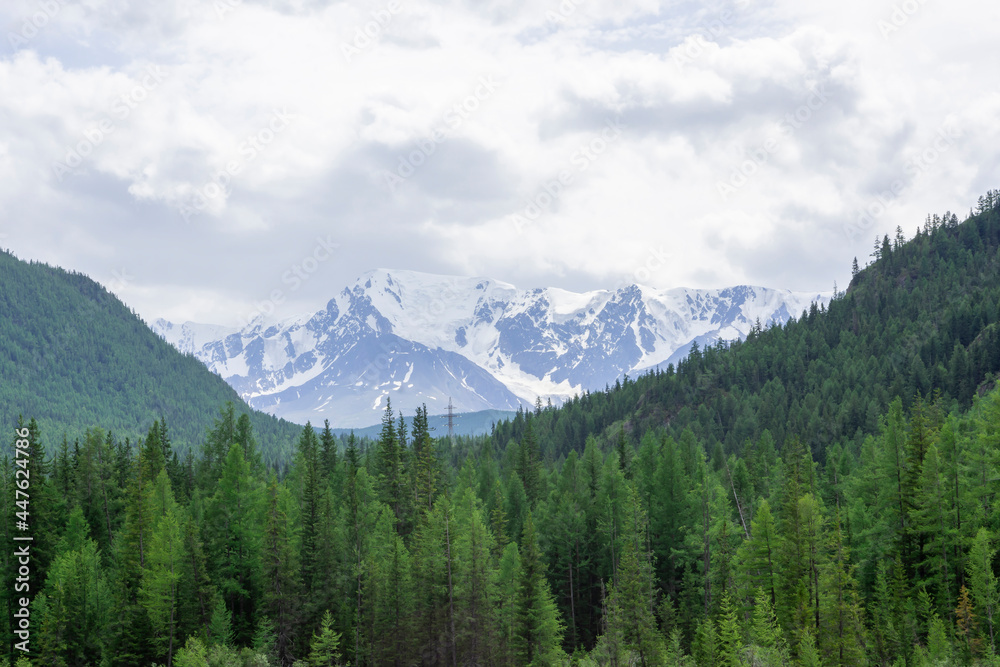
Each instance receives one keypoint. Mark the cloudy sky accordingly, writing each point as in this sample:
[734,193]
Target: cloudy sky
[204,157]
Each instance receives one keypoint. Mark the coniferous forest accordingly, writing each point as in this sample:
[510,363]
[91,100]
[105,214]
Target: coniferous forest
[822,493]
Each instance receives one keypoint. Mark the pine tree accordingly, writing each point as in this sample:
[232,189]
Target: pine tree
[841,637]
[984,582]
[800,527]
[758,555]
[235,515]
[807,652]
[387,594]
[216,447]
[220,627]
[324,648]
[624,455]
[529,463]
[74,608]
[160,593]
[508,580]
[311,480]
[730,635]
[390,466]
[498,519]
[197,594]
[767,645]
[244,436]
[705,647]
[932,517]
[331,581]
[328,451]
[360,513]
[428,469]
[280,573]
[475,583]
[675,656]
[431,604]
[537,630]
[938,642]
[631,604]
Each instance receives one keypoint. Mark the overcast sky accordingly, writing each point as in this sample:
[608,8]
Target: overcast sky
[204,157]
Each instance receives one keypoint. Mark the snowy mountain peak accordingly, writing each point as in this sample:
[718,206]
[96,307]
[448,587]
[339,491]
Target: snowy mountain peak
[422,338]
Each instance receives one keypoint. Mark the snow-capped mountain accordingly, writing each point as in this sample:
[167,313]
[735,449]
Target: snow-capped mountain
[421,338]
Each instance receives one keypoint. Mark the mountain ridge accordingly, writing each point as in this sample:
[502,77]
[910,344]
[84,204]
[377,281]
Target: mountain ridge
[75,356]
[422,338]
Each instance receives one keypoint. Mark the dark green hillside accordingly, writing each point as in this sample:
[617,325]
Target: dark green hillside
[923,317]
[879,549]
[72,356]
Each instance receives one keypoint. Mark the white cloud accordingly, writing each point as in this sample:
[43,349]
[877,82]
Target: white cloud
[808,111]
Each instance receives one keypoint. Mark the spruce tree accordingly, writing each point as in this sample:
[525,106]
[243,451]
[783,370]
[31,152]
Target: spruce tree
[529,463]
[280,573]
[730,635]
[74,608]
[475,583]
[311,480]
[235,515]
[324,648]
[538,629]
[160,591]
[842,632]
[983,582]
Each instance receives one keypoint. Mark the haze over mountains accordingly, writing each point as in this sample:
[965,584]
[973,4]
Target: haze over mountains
[416,338]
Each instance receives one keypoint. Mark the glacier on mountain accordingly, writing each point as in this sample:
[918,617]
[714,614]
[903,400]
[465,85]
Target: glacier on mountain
[419,338]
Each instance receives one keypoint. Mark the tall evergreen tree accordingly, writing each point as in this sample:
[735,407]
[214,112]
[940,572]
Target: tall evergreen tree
[475,584]
[538,629]
[280,573]
[235,515]
[160,591]
[983,582]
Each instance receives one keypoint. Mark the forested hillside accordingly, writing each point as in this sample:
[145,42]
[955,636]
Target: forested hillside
[821,494]
[923,317]
[73,355]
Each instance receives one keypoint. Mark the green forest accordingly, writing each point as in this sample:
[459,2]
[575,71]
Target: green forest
[72,355]
[822,493]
